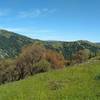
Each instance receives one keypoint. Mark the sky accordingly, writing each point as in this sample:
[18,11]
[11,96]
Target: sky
[62,20]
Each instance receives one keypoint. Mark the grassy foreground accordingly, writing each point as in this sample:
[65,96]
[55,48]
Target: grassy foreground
[80,82]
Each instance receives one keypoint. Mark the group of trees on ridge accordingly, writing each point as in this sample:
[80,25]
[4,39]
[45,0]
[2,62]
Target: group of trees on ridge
[35,59]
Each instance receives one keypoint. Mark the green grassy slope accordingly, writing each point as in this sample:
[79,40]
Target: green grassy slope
[80,82]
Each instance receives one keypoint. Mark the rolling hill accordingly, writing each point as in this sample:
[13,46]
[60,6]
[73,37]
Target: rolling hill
[11,44]
[79,82]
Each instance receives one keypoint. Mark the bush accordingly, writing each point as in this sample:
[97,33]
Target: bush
[67,62]
[41,66]
[97,77]
[7,70]
[56,59]
[82,56]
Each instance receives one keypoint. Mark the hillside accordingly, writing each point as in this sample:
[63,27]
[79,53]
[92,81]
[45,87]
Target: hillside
[80,82]
[68,49]
[98,44]
[11,44]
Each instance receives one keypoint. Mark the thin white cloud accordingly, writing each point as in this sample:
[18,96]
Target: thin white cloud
[27,30]
[36,13]
[4,12]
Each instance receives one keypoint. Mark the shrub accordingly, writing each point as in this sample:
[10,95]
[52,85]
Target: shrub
[67,62]
[97,77]
[41,66]
[57,60]
[82,55]
[7,70]
[56,85]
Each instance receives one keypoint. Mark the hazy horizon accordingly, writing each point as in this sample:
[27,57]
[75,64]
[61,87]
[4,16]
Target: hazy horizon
[61,20]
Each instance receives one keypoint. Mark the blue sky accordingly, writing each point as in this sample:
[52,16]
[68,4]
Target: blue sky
[64,20]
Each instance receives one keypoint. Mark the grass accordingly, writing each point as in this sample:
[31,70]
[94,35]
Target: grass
[80,82]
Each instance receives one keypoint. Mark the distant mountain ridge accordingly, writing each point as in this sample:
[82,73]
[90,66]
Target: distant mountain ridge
[68,49]
[11,44]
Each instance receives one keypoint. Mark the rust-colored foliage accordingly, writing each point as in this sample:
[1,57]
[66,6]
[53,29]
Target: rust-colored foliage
[29,56]
[56,59]
[29,60]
